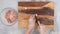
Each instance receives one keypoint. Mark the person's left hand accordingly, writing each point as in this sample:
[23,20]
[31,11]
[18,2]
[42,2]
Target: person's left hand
[32,21]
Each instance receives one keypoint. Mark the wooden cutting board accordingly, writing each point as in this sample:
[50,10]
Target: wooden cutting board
[24,17]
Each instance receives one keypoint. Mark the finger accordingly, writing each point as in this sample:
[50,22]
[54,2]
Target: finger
[32,16]
[39,23]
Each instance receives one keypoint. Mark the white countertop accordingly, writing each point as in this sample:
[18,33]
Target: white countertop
[8,29]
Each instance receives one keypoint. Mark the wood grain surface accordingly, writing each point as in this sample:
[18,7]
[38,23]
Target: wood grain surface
[23,16]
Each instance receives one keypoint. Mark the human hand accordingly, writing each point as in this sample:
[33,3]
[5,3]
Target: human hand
[32,21]
[41,28]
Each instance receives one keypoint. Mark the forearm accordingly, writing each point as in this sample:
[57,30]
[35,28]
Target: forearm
[42,29]
[43,32]
[28,31]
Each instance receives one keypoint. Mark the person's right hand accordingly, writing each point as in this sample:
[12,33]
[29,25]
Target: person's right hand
[41,28]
